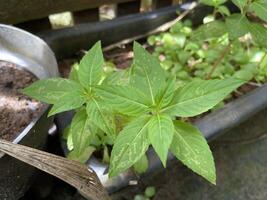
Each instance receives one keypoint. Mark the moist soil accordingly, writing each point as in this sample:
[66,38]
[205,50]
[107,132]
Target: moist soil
[16,109]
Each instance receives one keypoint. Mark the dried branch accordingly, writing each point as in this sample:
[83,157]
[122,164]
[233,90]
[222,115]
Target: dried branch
[72,172]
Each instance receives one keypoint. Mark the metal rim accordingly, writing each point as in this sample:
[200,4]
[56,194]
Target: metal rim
[52,58]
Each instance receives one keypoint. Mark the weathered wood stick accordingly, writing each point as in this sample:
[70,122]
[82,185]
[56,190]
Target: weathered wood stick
[72,172]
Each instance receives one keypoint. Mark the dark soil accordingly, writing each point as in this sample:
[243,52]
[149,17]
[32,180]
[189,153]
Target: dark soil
[16,110]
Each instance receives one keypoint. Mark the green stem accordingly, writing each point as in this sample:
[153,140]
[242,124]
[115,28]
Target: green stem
[262,59]
[219,60]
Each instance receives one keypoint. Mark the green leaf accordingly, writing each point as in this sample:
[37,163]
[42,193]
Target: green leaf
[141,165]
[240,4]
[68,137]
[130,145]
[208,19]
[119,77]
[63,93]
[199,96]
[68,102]
[191,148]
[214,3]
[106,157]
[259,34]
[147,74]
[210,30]
[80,131]
[244,74]
[150,191]
[165,94]
[139,197]
[53,90]
[224,10]
[90,68]
[74,73]
[83,156]
[237,25]
[260,8]
[160,133]
[125,99]
[100,116]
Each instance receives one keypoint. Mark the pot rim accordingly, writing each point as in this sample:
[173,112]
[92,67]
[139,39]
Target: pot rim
[10,53]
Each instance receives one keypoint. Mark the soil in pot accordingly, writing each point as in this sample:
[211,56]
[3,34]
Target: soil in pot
[16,109]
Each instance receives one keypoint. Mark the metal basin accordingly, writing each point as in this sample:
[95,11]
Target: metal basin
[32,53]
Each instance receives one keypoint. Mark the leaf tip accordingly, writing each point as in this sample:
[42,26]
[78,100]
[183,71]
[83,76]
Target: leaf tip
[51,112]
[98,44]
[163,160]
[213,180]
[212,176]
[23,91]
[136,45]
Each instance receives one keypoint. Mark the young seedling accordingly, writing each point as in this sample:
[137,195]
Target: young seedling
[146,100]
[154,104]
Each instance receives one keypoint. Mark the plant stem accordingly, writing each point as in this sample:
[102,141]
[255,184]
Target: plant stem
[219,60]
[262,59]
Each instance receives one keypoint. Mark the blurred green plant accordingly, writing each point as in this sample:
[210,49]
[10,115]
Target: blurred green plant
[148,194]
[232,46]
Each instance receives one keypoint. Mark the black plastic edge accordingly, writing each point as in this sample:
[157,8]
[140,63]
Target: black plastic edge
[67,41]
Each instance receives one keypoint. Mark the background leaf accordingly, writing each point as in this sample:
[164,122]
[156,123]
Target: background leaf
[106,157]
[160,133]
[224,10]
[130,145]
[147,74]
[240,4]
[210,30]
[260,8]
[74,73]
[83,156]
[199,96]
[191,148]
[259,34]
[214,3]
[237,25]
[90,67]
[141,165]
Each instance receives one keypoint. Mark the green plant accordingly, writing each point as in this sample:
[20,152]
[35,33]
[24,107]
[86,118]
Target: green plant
[214,50]
[148,194]
[134,113]
[129,110]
